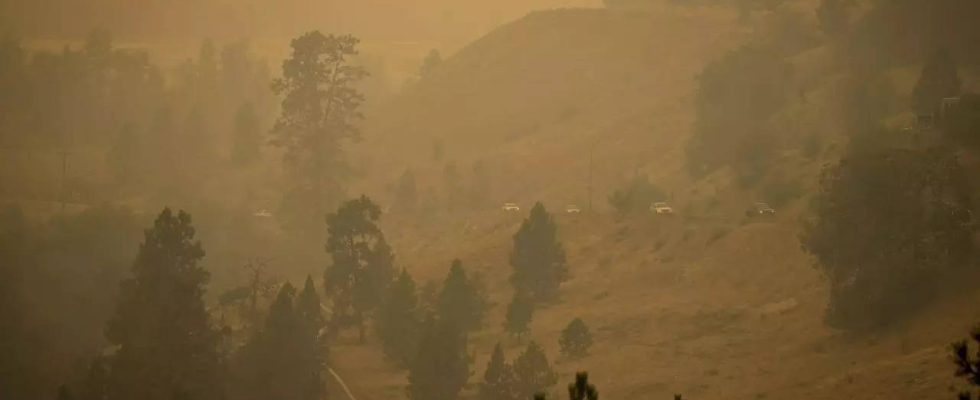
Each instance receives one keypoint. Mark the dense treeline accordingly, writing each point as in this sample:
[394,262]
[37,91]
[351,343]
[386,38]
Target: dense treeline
[154,127]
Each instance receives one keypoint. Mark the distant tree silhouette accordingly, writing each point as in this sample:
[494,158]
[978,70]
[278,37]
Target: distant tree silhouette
[538,258]
[459,300]
[441,368]
[161,327]
[519,314]
[533,372]
[319,107]
[581,389]
[247,142]
[398,321]
[575,339]
[363,262]
[499,382]
[939,79]
[730,131]
[430,63]
[285,359]
[406,191]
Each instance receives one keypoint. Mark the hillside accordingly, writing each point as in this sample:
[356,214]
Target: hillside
[708,304]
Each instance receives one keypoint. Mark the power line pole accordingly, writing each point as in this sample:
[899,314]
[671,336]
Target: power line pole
[64,178]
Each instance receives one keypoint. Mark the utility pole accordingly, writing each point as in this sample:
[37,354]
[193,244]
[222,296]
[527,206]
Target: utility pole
[591,159]
[64,179]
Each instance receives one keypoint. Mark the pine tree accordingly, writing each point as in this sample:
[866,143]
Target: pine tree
[575,339]
[498,379]
[538,258]
[362,262]
[310,311]
[459,301]
[581,389]
[441,368]
[967,366]
[283,361]
[939,79]
[320,105]
[161,327]
[519,314]
[398,321]
[533,372]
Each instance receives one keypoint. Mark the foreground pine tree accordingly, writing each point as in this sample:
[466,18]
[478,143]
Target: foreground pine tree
[460,301]
[538,258]
[519,314]
[167,348]
[967,366]
[398,322]
[581,389]
[362,266]
[533,372]
[441,368]
[285,359]
[575,339]
[499,382]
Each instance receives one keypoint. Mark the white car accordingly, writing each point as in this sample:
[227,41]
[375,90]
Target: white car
[263,213]
[511,207]
[661,208]
[572,209]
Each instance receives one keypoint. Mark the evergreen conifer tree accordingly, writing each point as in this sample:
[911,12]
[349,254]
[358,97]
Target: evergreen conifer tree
[398,321]
[498,379]
[538,258]
[575,339]
[167,347]
[362,262]
[460,301]
[283,361]
[441,368]
[533,372]
[581,389]
[519,314]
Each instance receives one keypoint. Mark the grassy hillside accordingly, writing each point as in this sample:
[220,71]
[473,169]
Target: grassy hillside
[708,304]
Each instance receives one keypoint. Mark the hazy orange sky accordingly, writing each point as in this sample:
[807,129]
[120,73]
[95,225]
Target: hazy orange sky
[449,22]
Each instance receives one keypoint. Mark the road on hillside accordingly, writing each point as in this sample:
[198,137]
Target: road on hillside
[341,383]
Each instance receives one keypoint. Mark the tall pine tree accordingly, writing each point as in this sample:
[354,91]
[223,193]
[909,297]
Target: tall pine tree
[538,258]
[441,368]
[362,262]
[498,379]
[533,372]
[283,360]
[398,321]
[519,314]
[460,301]
[167,347]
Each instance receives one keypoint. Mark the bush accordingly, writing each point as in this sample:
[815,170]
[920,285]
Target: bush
[636,197]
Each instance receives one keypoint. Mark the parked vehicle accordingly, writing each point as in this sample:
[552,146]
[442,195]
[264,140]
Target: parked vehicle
[511,207]
[760,209]
[572,209]
[661,208]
